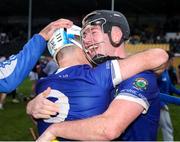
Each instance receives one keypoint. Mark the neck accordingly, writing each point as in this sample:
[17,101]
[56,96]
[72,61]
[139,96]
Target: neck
[120,52]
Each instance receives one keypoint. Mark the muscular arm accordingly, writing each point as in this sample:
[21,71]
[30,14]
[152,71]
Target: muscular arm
[142,61]
[107,126]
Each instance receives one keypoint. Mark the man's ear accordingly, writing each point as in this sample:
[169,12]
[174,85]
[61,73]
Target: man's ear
[116,34]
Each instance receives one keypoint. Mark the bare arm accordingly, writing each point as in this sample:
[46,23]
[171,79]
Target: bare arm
[146,60]
[107,126]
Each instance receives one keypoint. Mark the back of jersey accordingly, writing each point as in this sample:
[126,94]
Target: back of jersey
[79,91]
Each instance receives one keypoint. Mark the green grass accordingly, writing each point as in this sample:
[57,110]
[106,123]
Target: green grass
[15,124]
[174,114]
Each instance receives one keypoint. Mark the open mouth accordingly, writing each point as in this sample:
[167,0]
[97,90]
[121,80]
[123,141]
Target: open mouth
[91,48]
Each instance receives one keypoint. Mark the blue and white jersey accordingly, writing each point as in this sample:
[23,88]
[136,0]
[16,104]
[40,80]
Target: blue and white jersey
[142,89]
[14,70]
[165,84]
[81,91]
[166,87]
[169,99]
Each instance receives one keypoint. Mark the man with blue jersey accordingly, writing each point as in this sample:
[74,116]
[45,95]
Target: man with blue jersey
[134,113]
[166,87]
[14,70]
[130,101]
[80,90]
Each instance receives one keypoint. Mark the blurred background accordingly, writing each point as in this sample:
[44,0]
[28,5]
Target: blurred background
[150,21]
[153,23]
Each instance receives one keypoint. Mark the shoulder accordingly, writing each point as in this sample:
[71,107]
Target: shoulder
[141,88]
[145,82]
[46,82]
[146,76]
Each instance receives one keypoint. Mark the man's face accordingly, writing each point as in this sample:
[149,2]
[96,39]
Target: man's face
[95,41]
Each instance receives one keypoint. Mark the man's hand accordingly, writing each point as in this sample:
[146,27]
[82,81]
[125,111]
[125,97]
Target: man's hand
[47,136]
[40,107]
[48,31]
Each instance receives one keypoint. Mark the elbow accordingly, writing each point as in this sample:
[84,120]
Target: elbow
[157,57]
[112,132]
[161,55]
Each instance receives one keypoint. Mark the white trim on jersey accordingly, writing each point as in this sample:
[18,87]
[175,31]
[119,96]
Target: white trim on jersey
[64,106]
[60,70]
[116,72]
[129,97]
[8,68]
